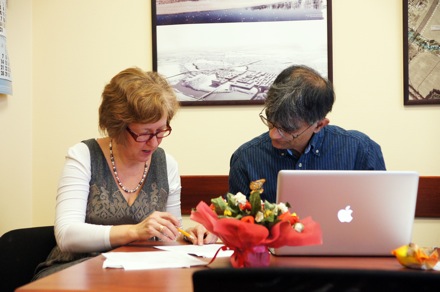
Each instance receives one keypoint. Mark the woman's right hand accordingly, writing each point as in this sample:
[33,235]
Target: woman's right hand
[159,224]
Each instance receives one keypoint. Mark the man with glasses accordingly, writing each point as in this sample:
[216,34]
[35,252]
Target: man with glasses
[299,135]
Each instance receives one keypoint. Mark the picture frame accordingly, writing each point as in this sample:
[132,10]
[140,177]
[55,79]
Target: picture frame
[421,53]
[229,52]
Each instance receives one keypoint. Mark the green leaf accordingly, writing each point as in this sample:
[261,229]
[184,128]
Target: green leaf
[271,218]
[234,211]
[233,204]
[269,206]
[219,204]
[255,201]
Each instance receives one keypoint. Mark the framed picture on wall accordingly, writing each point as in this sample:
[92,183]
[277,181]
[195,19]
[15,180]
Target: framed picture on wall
[221,52]
[421,52]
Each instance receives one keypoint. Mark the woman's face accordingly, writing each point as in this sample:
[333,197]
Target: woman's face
[142,151]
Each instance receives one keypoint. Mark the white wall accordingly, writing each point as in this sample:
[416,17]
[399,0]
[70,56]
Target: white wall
[63,53]
[16,122]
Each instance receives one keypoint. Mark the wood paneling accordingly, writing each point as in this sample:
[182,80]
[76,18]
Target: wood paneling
[196,188]
[428,197]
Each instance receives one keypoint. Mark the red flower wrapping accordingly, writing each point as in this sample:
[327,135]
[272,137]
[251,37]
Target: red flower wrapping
[243,237]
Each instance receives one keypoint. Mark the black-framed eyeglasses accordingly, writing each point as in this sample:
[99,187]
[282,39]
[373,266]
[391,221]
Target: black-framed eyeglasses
[145,137]
[283,133]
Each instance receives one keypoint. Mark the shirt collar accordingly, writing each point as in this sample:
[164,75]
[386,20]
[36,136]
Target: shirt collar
[316,142]
[314,146]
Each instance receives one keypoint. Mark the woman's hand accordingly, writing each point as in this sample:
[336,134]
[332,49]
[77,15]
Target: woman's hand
[201,236]
[159,224]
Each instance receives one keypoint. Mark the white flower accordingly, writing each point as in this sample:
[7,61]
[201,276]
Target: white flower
[241,199]
[259,216]
[282,208]
[299,227]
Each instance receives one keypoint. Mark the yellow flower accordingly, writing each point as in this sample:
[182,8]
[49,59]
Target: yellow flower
[227,213]
[267,213]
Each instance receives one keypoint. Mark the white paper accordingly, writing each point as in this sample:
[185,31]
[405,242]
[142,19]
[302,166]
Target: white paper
[150,260]
[206,250]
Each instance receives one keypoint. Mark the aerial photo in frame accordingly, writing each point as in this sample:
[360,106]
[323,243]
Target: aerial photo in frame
[230,51]
[422,52]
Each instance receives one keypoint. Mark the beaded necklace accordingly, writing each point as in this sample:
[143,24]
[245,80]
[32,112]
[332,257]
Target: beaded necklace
[112,159]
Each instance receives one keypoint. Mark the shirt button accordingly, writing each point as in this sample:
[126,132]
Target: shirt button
[317,151]
[300,165]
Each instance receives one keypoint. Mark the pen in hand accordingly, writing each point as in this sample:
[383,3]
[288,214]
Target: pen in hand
[184,233]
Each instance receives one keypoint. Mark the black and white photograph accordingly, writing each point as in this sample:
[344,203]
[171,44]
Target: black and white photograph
[230,51]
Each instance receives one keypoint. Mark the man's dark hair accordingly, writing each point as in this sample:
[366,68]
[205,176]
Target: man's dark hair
[299,94]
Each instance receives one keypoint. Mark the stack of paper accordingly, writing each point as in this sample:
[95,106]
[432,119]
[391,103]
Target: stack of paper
[150,260]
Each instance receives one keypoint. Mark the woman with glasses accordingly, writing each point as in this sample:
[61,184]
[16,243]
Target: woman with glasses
[299,135]
[121,188]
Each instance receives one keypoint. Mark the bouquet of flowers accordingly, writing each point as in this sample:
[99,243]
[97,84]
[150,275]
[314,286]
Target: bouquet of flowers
[250,227]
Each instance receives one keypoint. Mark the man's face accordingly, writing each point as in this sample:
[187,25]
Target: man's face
[297,140]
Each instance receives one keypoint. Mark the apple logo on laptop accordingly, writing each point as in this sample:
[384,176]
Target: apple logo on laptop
[344,215]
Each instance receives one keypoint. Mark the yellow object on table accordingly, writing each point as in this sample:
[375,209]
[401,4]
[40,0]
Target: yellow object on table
[415,257]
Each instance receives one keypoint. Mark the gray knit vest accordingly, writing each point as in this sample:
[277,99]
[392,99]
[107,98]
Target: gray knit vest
[106,204]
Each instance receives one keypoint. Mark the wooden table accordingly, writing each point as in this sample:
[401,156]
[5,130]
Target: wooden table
[89,275]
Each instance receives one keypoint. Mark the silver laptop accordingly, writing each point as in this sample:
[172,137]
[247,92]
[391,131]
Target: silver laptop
[361,213]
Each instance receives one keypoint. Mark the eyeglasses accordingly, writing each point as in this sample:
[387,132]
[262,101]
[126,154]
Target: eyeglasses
[282,132]
[148,136]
